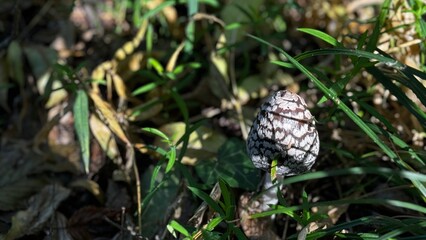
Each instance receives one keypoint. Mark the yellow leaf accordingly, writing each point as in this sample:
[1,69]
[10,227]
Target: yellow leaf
[105,138]
[119,85]
[172,62]
[109,115]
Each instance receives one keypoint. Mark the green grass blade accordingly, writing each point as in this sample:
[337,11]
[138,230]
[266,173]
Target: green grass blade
[321,35]
[176,226]
[399,94]
[411,82]
[158,9]
[227,197]
[157,132]
[145,88]
[181,104]
[368,201]
[386,172]
[81,124]
[190,28]
[399,142]
[172,158]
[374,38]
[352,52]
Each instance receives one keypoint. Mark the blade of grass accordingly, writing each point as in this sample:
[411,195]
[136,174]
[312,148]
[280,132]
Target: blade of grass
[352,52]
[81,124]
[190,28]
[145,88]
[172,158]
[374,38]
[157,132]
[158,9]
[399,94]
[386,172]
[369,201]
[176,226]
[321,35]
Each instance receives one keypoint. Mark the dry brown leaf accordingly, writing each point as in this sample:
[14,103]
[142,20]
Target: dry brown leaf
[119,85]
[109,115]
[173,59]
[41,207]
[105,138]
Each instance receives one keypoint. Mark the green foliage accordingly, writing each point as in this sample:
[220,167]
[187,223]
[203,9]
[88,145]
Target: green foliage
[232,164]
[81,122]
[225,209]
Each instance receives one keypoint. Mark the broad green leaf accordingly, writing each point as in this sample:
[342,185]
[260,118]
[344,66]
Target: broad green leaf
[81,123]
[232,164]
[157,200]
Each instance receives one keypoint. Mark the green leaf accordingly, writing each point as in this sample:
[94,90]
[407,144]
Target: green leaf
[190,28]
[145,88]
[152,62]
[81,124]
[181,104]
[321,35]
[227,198]
[213,223]
[176,226]
[158,9]
[156,202]
[172,158]
[232,164]
[399,94]
[158,133]
[388,61]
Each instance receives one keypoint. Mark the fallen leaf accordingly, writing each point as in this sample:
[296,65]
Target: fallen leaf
[105,139]
[109,114]
[41,208]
